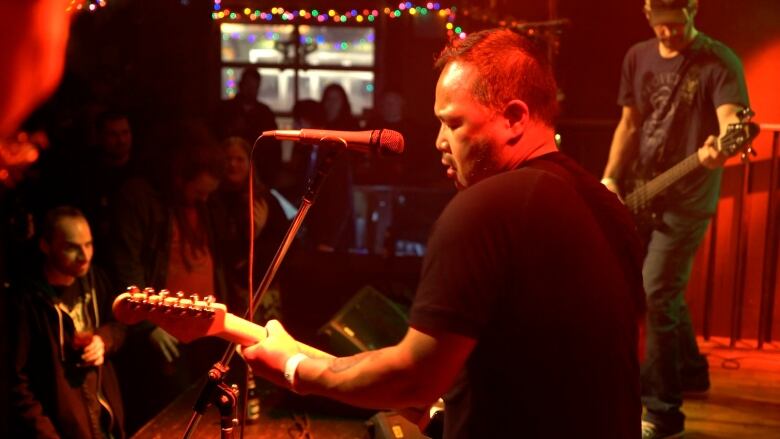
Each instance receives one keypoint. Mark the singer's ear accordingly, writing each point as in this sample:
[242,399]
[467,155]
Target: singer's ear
[516,118]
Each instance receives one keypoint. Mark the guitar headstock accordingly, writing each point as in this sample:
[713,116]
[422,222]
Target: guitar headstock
[739,135]
[185,317]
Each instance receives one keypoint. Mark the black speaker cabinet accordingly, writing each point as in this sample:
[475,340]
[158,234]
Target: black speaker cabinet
[368,321]
[391,425]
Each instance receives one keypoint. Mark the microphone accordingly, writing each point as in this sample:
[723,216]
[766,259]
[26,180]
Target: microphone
[385,142]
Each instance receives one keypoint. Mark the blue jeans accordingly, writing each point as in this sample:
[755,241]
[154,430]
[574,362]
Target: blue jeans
[671,342]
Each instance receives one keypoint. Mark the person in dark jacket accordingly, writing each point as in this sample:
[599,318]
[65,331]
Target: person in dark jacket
[246,117]
[63,384]
[165,236]
[270,225]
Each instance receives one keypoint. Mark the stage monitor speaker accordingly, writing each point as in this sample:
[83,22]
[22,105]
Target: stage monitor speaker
[368,321]
[391,425]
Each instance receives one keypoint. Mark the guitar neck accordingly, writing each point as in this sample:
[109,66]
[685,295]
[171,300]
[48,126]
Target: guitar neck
[190,318]
[640,197]
[246,333]
[240,331]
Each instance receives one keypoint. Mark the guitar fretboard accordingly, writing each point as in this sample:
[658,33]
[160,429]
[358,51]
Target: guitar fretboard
[641,196]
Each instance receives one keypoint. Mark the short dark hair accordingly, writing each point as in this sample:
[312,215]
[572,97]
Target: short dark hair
[189,162]
[53,216]
[509,66]
[311,110]
[250,73]
[109,116]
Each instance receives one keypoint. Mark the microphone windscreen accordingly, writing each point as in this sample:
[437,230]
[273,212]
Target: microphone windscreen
[390,142]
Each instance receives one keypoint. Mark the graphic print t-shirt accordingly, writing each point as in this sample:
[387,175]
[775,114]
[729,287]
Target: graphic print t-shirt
[709,75]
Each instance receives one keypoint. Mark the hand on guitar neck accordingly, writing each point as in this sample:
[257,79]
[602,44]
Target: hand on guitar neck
[710,156]
[270,349]
[191,317]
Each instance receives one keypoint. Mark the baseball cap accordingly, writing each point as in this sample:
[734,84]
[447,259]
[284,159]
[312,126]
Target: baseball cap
[669,11]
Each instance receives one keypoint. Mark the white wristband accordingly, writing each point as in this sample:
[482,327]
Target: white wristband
[291,366]
[606,181]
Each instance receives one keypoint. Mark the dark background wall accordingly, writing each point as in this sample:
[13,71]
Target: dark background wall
[160,59]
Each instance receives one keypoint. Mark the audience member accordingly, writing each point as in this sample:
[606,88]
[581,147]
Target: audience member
[306,113]
[418,164]
[63,383]
[165,236]
[103,170]
[338,111]
[329,227]
[246,117]
[270,225]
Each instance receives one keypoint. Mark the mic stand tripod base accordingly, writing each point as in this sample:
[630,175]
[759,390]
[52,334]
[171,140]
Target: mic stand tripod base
[224,397]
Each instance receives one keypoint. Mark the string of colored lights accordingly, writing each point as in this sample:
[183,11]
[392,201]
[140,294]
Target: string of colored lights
[359,16]
[85,5]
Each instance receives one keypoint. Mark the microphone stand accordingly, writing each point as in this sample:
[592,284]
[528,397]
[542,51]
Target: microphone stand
[209,394]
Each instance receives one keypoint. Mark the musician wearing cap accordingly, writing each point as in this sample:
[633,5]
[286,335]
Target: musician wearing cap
[678,91]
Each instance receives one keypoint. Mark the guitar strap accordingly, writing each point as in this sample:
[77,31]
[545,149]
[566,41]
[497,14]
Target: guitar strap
[683,94]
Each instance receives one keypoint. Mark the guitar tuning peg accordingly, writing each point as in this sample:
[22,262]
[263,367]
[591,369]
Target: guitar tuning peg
[209,299]
[184,302]
[164,293]
[180,294]
[194,297]
[149,291]
[132,289]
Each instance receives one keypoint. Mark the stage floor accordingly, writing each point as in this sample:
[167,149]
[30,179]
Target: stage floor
[743,402]
[284,415]
[744,397]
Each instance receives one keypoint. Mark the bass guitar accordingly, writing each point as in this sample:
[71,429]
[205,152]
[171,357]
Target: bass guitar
[736,139]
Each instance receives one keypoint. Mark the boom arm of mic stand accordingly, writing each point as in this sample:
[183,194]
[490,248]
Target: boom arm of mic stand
[329,157]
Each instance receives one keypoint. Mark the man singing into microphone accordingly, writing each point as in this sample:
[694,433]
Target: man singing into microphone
[525,318]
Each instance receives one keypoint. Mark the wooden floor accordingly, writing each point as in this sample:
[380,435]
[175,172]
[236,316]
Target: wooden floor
[744,398]
[742,403]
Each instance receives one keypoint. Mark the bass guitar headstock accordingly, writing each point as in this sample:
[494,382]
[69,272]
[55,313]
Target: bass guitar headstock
[738,136]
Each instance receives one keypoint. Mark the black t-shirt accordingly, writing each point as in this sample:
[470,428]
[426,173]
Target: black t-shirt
[519,263]
[711,76]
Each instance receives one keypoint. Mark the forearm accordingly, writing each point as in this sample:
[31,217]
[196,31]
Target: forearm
[727,114]
[378,379]
[624,144]
[710,154]
[393,377]
[313,352]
